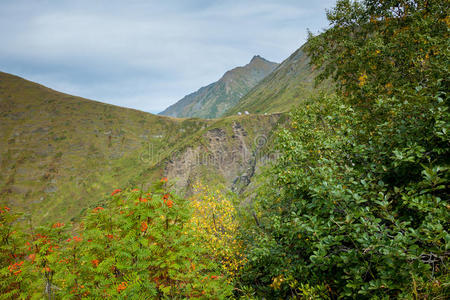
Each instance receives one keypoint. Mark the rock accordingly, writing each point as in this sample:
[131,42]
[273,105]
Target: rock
[50,189]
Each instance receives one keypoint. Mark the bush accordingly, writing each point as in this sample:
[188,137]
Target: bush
[348,215]
[215,222]
[140,245]
[358,203]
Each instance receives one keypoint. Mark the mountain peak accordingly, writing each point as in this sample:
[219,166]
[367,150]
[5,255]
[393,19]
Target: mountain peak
[257,58]
[214,100]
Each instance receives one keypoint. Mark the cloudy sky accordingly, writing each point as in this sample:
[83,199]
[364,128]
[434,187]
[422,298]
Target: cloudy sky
[147,54]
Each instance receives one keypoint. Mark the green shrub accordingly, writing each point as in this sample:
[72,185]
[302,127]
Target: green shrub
[138,246]
[358,201]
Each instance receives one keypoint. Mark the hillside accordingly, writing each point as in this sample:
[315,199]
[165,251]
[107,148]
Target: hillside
[282,89]
[59,152]
[345,196]
[214,100]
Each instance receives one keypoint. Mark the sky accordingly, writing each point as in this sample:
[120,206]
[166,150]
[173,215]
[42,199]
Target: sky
[147,54]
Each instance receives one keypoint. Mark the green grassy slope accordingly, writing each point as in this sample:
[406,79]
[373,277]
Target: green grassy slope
[285,87]
[60,154]
[214,100]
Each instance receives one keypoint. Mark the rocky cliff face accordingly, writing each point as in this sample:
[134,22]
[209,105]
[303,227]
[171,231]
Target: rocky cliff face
[229,154]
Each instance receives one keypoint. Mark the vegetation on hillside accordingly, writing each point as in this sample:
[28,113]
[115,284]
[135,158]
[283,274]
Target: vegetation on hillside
[356,207]
[215,99]
[60,153]
[284,88]
[358,204]
[142,245]
[216,223]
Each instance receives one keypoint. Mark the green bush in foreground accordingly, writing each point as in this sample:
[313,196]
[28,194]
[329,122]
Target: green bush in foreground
[358,203]
[346,216]
[138,247]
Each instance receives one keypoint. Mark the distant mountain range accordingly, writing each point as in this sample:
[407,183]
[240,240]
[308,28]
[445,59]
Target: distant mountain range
[214,100]
[284,88]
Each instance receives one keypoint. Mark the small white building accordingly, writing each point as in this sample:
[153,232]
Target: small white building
[246,112]
[239,113]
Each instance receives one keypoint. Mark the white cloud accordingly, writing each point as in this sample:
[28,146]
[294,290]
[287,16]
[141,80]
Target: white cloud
[146,54]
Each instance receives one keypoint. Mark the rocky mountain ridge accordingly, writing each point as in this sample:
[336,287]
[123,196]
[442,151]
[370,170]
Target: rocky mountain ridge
[213,100]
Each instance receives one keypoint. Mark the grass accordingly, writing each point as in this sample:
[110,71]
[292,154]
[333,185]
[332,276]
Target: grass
[60,154]
[59,151]
[283,89]
[214,100]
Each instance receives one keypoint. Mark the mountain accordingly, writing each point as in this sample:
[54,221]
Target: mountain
[57,151]
[285,87]
[214,100]
[61,154]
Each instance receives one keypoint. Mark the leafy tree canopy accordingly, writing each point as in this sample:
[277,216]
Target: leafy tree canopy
[358,202]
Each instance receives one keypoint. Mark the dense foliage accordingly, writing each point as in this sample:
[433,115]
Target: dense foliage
[357,206]
[358,203]
[216,224]
[139,246]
